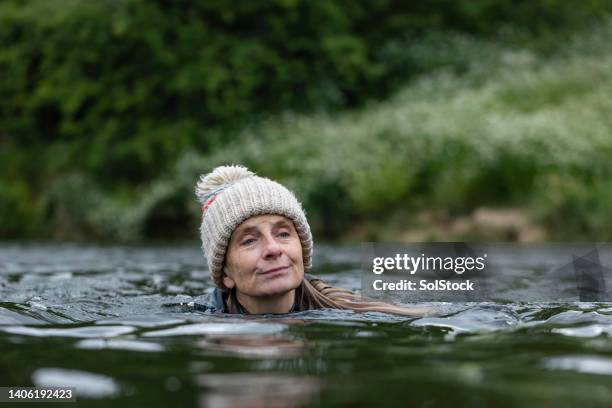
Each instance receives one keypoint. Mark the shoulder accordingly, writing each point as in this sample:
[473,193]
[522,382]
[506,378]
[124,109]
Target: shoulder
[211,302]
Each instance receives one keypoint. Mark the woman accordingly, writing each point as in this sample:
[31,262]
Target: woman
[259,247]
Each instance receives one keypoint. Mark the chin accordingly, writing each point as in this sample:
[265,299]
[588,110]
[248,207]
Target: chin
[279,286]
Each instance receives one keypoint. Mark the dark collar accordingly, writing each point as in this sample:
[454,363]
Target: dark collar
[243,310]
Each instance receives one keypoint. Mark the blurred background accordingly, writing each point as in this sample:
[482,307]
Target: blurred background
[398,121]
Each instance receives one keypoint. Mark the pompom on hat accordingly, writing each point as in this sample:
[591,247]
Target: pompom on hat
[232,194]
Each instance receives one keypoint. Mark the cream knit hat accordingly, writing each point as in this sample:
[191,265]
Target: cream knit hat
[230,195]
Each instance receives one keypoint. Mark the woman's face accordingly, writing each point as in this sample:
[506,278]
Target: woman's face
[264,257]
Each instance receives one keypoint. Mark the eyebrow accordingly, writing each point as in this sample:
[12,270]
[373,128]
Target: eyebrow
[281,223]
[247,230]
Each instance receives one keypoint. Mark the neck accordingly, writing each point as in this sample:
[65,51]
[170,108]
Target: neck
[267,304]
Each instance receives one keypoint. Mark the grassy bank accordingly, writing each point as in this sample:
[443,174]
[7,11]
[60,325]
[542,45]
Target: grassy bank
[511,130]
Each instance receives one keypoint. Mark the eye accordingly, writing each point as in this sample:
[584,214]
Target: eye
[284,234]
[247,241]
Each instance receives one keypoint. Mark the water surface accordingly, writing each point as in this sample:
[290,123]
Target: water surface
[106,320]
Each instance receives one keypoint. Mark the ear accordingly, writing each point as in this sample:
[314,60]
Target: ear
[227,281]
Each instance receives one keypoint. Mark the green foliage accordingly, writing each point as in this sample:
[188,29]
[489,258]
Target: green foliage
[133,83]
[575,207]
[17,209]
[109,108]
[455,142]
[77,209]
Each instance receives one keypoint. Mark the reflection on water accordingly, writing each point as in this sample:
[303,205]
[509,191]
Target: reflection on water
[217,328]
[257,346]
[94,318]
[119,344]
[581,364]
[83,332]
[257,391]
[88,385]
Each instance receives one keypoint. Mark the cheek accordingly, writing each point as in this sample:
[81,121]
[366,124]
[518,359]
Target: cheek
[295,253]
[242,264]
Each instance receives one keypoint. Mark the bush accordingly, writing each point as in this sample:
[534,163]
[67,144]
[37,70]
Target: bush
[118,90]
[131,84]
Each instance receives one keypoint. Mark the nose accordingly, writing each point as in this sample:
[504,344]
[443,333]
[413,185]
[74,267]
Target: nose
[272,249]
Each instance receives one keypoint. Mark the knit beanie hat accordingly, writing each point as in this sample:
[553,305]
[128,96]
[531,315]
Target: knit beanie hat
[232,194]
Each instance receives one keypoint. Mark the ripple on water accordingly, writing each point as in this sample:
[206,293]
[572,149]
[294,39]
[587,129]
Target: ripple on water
[119,344]
[78,332]
[87,385]
[9,317]
[589,364]
[474,319]
[146,321]
[592,330]
[578,316]
[240,327]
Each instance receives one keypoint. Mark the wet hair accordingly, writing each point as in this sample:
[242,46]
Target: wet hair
[317,294]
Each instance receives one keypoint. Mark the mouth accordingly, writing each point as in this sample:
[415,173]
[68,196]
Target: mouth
[274,270]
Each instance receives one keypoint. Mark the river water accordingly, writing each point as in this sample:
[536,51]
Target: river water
[105,320]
